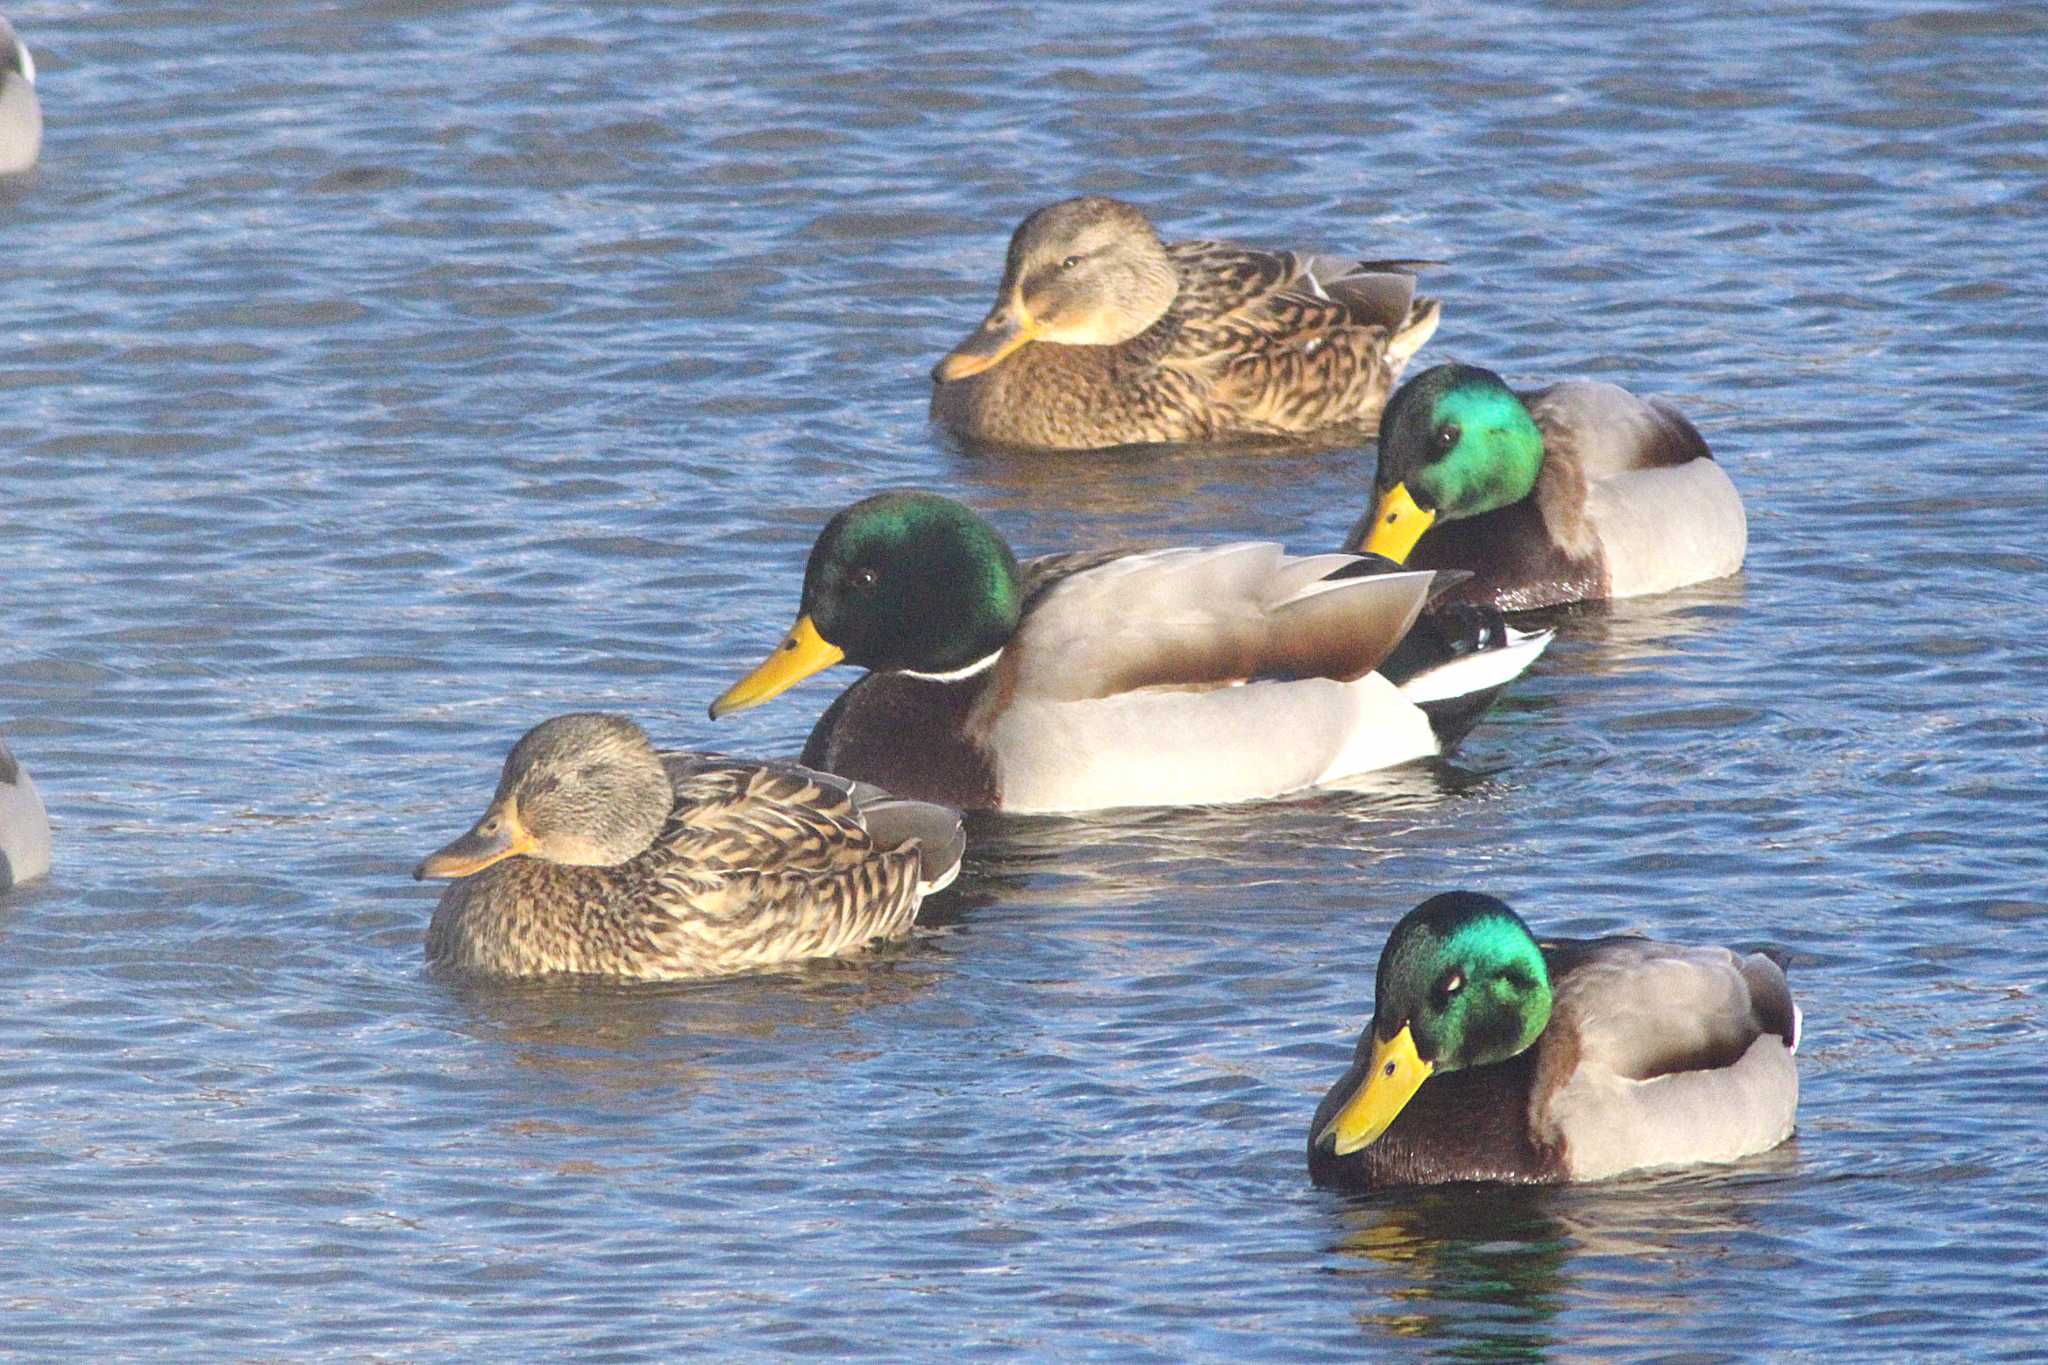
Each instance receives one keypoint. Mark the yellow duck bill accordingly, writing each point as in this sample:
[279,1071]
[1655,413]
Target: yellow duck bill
[496,837]
[1392,1077]
[802,652]
[1002,332]
[1397,523]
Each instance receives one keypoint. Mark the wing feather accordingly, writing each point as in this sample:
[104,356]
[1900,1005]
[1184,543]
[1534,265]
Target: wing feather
[1672,1055]
[1201,618]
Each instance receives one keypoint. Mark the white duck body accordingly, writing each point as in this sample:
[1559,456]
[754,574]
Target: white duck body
[21,115]
[24,825]
[1676,1059]
[1171,677]
[1655,526]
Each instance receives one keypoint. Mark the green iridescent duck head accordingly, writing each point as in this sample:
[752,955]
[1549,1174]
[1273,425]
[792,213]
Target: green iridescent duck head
[1462,983]
[907,582]
[1454,442]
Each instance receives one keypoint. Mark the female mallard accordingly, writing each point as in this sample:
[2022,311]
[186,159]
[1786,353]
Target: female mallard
[1569,1059]
[1575,492]
[24,825]
[1102,335]
[600,855]
[21,117]
[1079,681]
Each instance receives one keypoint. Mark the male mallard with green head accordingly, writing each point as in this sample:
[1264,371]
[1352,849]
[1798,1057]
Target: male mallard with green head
[1096,679]
[1577,492]
[1493,1056]
[1102,335]
[600,855]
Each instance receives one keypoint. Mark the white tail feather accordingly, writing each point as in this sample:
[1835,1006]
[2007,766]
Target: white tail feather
[1476,672]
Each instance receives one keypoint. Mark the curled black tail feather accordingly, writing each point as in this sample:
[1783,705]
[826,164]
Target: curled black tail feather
[1442,634]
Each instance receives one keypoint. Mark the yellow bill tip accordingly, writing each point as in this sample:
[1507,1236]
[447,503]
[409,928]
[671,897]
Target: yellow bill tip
[802,652]
[1397,523]
[960,365]
[991,344]
[477,849]
[1392,1076]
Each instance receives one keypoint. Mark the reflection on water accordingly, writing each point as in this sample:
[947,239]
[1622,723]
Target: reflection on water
[1635,633]
[1139,855]
[598,1016]
[1047,501]
[1485,1272]
[1480,1270]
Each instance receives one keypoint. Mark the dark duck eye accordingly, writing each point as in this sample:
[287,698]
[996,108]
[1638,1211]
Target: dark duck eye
[1447,435]
[863,578]
[1070,262]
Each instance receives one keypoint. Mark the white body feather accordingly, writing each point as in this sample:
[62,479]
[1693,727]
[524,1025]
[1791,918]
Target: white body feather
[1665,528]
[1072,738]
[1658,528]
[1469,673]
[1640,1002]
[24,826]
[21,116]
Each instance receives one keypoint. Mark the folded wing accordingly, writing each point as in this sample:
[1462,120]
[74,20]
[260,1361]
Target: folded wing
[1206,618]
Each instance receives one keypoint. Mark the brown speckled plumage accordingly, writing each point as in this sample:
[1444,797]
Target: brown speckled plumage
[1243,342]
[756,864]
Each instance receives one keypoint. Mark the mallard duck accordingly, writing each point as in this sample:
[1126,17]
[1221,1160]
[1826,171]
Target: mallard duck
[1080,681]
[21,117]
[1576,492]
[1492,1056]
[1102,335]
[24,825]
[600,855]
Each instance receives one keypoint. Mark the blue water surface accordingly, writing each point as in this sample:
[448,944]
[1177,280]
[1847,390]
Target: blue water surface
[378,379]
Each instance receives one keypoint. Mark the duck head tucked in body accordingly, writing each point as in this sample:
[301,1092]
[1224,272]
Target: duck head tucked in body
[585,790]
[1491,1056]
[1580,491]
[1110,678]
[1103,335]
[1083,272]
[599,854]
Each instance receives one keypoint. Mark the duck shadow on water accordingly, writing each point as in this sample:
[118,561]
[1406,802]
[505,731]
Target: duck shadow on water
[1276,490]
[1633,635]
[1138,853]
[628,1042]
[1485,1270]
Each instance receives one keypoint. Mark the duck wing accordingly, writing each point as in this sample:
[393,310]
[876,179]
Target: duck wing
[1242,292]
[1665,1055]
[750,816]
[1643,1009]
[1290,342]
[1206,618]
[1605,430]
